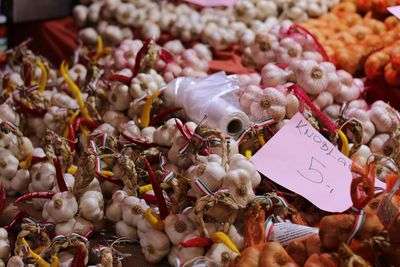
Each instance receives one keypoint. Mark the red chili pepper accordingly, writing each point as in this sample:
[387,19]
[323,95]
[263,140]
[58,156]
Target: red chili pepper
[184,131]
[71,137]
[35,159]
[89,232]
[27,73]
[83,121]
[150,198]
[27,196]
[141,53]
[199,242]
[59,175]
[16,220]
[120,78]
[299,92]
[161,115]
[2,198]
[113,180]
[140,142]
[166,56]
[79,258]
[362,186]
[162,206]
[300,29]
[24,108]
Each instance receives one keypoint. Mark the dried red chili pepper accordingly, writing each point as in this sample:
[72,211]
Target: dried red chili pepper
[83,121]
[16,220]
[59,175]
[141,53]
[27,196]
[79,258]
[161,115]
[27,73]
[166,56]
[362,186]
[199,242]
[2,198]
[71,137]
[120,78]
[35,159]
[24,108]
[162,206]
[89,232]
[150,198]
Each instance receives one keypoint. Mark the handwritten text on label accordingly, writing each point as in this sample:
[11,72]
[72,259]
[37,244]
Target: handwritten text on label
[299,158]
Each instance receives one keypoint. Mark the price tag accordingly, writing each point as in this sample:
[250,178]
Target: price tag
[285,233]
[299,158]
[210,3]
[395,10]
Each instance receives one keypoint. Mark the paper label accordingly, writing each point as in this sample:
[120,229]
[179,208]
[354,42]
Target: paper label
[299,158]
[395,10]
[285,233]
[210,3]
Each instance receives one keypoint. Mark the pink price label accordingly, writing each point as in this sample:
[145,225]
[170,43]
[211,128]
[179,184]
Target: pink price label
[395,10]
[211,3]
[299,158]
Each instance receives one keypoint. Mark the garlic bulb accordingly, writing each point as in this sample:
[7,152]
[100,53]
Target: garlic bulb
[211,174]
[288,51]
[272,75]
[155,245]
[221,254]
[349,90]
[368,127]
[177,226]
[239,184]
[384,117]
[133,209]
[114,209]
[124,230]
[119,97]
[239,162]
[380,144]
[271,104]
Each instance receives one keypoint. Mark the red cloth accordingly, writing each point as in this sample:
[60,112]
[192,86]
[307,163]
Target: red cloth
[54,39]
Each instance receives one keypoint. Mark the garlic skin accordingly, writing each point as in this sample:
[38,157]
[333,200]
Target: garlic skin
[78,73]
[133,209]
[91,206]
[221,254]
[239,184]
[4,244]
[15,261]
[21,152]
[80,13]
[271,104]
[311,76]
[64,101]
[288,51]
[125,54]
[8,114]
[239,162]
[177,226]
[174,46]
[368,127]
[211,174]
[61,208]
[379,144]
[323,100]
[124,230]
[362,155]
[349,90]
[144,83]
[113,34]
[359,104]
[148,134]
[119,97]
[125,14]
[263,49]
[155,245]
[8,164]
[115,118]
[65,259]
[114,209]
[21,181]
[384,117]
[175,157]
[151,30]
[54,117]
[332,111]
[272,75]
[88,36]
[75,225]
[166,134]
[292,105]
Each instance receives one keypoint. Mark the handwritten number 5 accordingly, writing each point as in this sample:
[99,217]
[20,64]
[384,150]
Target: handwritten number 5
[315,174]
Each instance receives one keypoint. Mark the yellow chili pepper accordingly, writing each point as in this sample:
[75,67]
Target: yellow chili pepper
[84,130]
[43,77]
[221,237]
[76,92]
[144,188]
[39,260]
[261,139]
[38,250]
[345,143]
[26,163]
[99,51]
[248,154]
[71,120]
[155,222]
[107,173]
[54,261]
[145,116]
[72,170]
